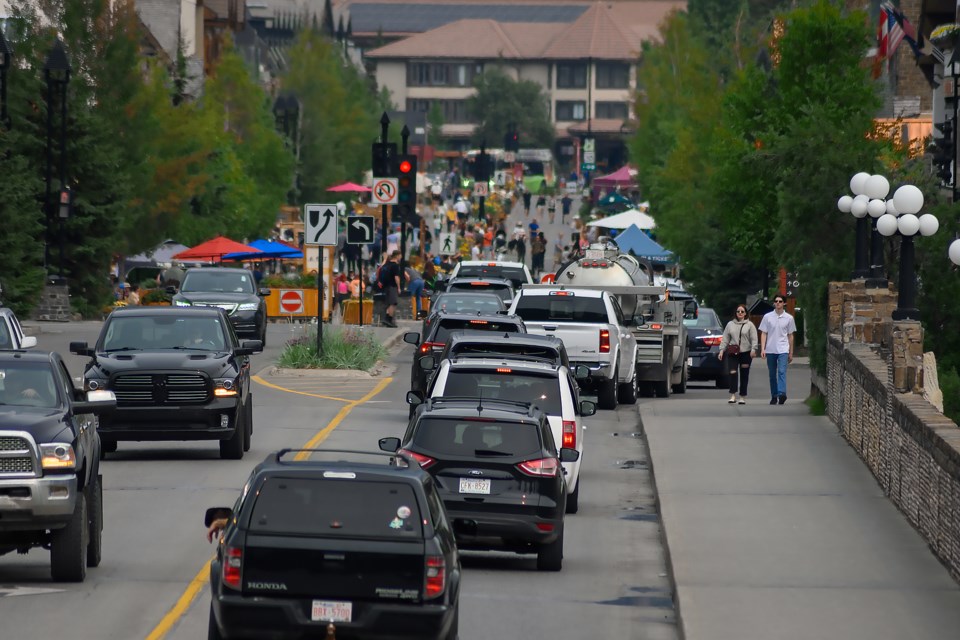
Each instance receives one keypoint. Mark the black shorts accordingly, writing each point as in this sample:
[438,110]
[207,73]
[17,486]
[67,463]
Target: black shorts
[390,296]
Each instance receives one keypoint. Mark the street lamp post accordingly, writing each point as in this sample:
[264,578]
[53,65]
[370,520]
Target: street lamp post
[4,65]
[907,201]
[857,206]
[56,72]
[876,188]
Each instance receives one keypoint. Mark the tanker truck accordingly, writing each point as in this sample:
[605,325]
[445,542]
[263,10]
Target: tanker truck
[655,320]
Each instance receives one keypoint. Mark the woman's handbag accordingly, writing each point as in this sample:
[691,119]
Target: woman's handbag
[734,349]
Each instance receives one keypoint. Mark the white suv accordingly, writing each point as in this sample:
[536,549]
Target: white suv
[516,272]
[551,387]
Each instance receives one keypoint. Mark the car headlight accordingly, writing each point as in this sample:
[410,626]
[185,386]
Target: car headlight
[57,456]
[181,303]
[248,306]
[225,387]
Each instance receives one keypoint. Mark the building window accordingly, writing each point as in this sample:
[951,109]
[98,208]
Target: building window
[455,111]
[613,75]
[612,110]
[572,75]
[418,105]
[571,110]
[442,74]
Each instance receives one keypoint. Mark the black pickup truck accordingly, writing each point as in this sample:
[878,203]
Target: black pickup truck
[51,493]
[359,542]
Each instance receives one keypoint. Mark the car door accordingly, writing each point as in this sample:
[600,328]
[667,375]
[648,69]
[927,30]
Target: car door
[626,341]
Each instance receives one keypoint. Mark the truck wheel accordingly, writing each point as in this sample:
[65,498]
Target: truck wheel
[627,391]
[213,631]
[573,499]
[107,445]
[95,509]
[232,449]
[550,556]
[68,547]
[662,388]
[607,393]
[248,424]
[682,386]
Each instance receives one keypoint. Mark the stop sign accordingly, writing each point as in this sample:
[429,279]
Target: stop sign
[291,301]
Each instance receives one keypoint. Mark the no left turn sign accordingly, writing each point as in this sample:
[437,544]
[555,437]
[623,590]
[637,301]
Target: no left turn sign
[385,190]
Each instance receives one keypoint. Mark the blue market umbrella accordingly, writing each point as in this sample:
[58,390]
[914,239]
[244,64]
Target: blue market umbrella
[635,242]
[267,250]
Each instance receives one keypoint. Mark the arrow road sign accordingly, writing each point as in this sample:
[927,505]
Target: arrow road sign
[448,244]
[320,221]
[359,229]
[385,190]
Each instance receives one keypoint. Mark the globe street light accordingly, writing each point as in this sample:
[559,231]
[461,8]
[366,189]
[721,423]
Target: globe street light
[876,188]
[857,206]
[907,201]
[56,71]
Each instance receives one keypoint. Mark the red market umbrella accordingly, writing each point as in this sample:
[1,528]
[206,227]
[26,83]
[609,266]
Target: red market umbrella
[214,249]
[350,186]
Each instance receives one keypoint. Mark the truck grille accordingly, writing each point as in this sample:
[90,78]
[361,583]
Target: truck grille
[17,456]
[139,389]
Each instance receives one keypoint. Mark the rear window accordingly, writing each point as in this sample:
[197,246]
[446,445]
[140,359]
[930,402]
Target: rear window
[513,274]
[464,303]
[343,508]
[522,386]
[449,325]
[705,319]
[448,437]
[503,291]
[505,348]
[561,309]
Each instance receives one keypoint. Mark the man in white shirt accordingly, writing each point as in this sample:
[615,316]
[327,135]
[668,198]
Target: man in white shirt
[776,345]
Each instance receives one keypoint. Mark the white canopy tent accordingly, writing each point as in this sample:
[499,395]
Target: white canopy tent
[625,220]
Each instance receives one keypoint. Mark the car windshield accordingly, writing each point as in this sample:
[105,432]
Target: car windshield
[477,437]
[505,384]
[28,384]
[468,302]
[515,275]
[706,319]
[226,281]
[565,308]
[342,508]
[165,331]
[446,326]
[501,290]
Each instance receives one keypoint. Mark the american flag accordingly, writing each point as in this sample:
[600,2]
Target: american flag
[891,31]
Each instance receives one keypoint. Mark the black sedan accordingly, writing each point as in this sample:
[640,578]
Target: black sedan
[704,333]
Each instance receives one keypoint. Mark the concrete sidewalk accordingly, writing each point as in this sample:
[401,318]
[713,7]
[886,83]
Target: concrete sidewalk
[777,531]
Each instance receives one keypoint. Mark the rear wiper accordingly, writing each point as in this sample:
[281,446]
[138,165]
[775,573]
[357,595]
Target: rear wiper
[490,452]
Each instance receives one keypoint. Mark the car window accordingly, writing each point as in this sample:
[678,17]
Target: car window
[6,340]
[332,507]
[543,352]
[514,274]
[226,281]
[503,291]
[567,308]
[202,333]
[28,384]
[457,437]
[437,514]
[505,384]
[446,326]
[706,319]
[465,303]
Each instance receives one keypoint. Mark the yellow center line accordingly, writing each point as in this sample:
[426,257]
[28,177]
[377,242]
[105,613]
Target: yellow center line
[190,594]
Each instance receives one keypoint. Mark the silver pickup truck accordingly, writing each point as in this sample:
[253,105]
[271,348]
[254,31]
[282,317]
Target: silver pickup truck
[594,332]
[11,333]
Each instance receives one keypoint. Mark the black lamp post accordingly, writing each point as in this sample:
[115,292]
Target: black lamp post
[56,72]
[4,65]
[280,114]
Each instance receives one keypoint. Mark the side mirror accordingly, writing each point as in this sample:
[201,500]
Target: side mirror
[414,398]
[97,402]
[587,408]
[427,363]
[264,292]
[81,349]
[28,342]
[249,347]
[581,372]
[569,455]
[390,444]
[412,337]
[216,513]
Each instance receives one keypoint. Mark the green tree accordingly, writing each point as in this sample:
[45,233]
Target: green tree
[435,124]
[500,100]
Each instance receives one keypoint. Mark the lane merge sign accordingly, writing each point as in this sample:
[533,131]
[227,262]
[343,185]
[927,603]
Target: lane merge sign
[385,190]
[320,224]
[359,229]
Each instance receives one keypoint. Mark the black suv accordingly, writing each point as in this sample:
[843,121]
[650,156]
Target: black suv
[497,470]
[233,290]
[178,374]
[51,494]
[359,541]
[442,325]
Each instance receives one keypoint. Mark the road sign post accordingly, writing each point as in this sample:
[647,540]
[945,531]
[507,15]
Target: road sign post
[360,231]
[320,227]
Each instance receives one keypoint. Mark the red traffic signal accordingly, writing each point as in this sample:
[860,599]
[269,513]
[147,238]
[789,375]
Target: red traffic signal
[405,166]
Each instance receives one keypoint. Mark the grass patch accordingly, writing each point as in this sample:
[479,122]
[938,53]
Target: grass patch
[342,349]
[818,406]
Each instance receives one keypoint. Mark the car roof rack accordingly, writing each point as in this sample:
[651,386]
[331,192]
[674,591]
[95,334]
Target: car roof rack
[529,406]
[388,458]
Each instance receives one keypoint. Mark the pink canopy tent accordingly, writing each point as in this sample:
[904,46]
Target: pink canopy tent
[622,177]
[350,186]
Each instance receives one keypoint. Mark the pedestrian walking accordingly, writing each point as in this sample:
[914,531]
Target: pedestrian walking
[552,208]
[737,346]
[388,280]
[538,250]
[776,346]
[565,203]
[527,197]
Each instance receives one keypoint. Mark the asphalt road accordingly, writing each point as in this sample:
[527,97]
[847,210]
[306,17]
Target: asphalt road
[152,583]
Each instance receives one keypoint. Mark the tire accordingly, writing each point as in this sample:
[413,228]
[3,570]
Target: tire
[550,556]
[573,499]
[95,517]
[232,448]
[68,547]
[454,632]
[248,424]
[213,631]
[682,386]
[627,391]
[107,445]
[662,388]
[607,393]
[263,336]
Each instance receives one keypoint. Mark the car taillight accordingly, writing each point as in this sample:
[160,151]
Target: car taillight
[712,341]
[232,566]
[569,434]
[436,576]
[427,346]
[604,341]
[422,460]
[545,467]
[656,326]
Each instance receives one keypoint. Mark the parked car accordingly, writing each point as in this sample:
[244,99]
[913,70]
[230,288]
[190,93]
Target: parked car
[356,540]
[51,492]
[178,374]
[549,387]
[516,272]
[233,290]
[497,470]
[501,287]
[704,333]
[11,333]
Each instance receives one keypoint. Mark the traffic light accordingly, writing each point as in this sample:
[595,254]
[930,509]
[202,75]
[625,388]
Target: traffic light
[944,151]
[383,155]
[407,187]
[511,139]
[481,167]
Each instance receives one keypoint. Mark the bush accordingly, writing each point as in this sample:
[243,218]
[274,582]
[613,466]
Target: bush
[153,296]
[342,349]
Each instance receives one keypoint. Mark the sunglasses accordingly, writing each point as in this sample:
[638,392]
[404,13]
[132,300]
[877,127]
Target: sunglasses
[739,311]
[778,301]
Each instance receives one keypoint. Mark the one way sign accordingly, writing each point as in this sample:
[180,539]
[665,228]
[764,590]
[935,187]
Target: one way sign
[320,224]
[359,229]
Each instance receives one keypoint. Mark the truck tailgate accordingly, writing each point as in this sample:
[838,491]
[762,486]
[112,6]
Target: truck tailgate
[582,340]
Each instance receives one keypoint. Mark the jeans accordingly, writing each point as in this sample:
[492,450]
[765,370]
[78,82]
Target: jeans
[738,370]
[416,290]
[777,366]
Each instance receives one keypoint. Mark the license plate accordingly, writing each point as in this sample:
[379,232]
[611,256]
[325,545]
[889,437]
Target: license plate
[689,362]
[331,611]
[475,485]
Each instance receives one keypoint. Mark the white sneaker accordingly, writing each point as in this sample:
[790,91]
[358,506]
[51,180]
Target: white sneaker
[742,400]
[732,399]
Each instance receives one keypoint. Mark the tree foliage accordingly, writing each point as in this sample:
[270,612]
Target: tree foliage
[501,100]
